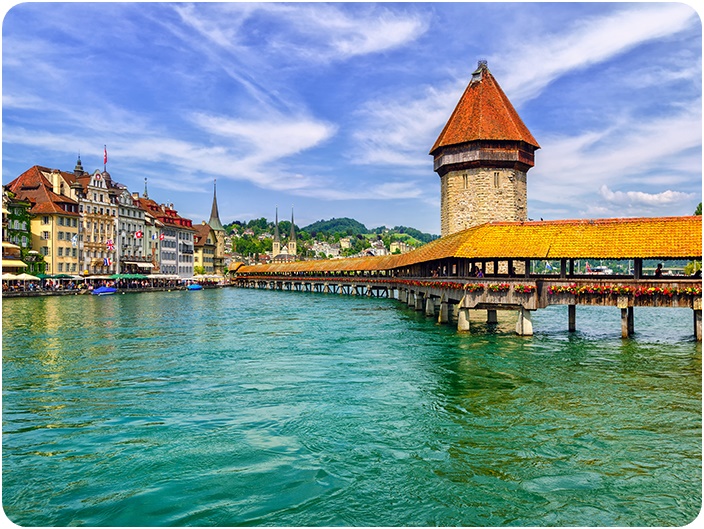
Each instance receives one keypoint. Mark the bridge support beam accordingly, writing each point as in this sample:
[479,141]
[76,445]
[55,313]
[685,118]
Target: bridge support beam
[429,306]
[491,316]
[698,324]
[571,318]
[463,320]
[443,316]
[627,327]
[419,301]
[524,325]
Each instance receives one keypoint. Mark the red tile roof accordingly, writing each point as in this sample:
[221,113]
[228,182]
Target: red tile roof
[483,113]
[34,186]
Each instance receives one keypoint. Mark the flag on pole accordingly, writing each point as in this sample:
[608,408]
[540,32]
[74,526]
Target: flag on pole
[110,245]
[161,237]
[106,261]
[154,236]
[548,266]
[74,240]
[105,154]
[138,235]
[589,270]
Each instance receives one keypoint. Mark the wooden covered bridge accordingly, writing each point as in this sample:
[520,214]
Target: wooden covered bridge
[490,267]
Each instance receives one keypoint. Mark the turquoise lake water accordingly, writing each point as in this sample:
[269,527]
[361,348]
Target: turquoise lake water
[247,407]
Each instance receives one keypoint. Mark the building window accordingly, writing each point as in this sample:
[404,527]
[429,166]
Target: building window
[496,179]
[45,220]
[61,251]
[61,267]
[466,181]
[45,235]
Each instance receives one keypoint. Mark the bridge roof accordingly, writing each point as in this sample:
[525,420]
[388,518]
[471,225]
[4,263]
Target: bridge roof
[621,238]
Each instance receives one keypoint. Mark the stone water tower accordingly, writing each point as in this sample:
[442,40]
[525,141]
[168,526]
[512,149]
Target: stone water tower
[482,157]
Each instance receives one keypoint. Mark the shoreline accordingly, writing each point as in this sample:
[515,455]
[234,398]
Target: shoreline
[83,292]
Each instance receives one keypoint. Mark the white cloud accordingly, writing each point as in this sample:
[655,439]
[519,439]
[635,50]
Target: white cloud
[270,138]
[640,198]
[571,168]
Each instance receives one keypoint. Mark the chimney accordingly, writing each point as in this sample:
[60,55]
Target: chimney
[56,181]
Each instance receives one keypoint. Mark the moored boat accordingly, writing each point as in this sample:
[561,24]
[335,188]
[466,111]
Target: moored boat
[104,291]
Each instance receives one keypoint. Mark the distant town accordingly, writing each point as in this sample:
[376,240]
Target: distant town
[79,224]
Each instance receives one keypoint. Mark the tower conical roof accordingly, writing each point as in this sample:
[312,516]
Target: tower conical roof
[214,221]
[483,113]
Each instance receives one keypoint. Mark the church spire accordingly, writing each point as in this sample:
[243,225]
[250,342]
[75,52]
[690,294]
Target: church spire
[276,245]
[293,229]
[145,195]
[214,221]
[292,246]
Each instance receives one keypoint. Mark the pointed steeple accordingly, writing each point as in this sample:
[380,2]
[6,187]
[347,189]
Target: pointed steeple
[276,244]
[293,229]
[145,195]
[214,221]
[292,246]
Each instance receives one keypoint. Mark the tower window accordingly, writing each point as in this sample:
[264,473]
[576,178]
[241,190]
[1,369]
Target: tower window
[496,179]
[465,179]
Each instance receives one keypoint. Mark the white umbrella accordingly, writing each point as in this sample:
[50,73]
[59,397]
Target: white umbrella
[7,276]
[26,277]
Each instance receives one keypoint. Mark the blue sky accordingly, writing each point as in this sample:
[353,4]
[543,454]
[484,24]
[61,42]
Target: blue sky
[332,108]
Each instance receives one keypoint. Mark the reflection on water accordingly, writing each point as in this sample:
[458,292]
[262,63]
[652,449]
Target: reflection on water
[233,407]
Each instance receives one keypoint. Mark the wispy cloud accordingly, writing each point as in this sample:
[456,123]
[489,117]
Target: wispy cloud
[319,32]
[588,42]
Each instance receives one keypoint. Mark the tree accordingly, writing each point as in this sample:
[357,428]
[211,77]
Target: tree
[699,209]
[198,270]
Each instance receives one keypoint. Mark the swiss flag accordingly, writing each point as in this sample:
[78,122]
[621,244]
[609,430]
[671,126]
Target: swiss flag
[105,154]
[139,235]
[161,237]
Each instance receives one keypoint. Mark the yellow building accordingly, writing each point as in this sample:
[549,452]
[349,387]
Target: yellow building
[205,244]
[55,214]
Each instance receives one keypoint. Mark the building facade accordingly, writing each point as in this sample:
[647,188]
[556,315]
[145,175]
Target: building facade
[482,157]
[134,254]
[55,217]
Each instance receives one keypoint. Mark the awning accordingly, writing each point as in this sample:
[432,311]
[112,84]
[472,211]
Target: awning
[13,263]
[140,264]
[6,244]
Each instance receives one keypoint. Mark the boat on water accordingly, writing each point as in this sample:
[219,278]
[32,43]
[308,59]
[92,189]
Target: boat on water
[104,291]
[195,287]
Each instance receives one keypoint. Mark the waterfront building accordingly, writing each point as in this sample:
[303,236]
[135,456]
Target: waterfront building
[17,238]
[134,256]
[99,227]
[205,244]
[482,157]
[175,237]
[55,218]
